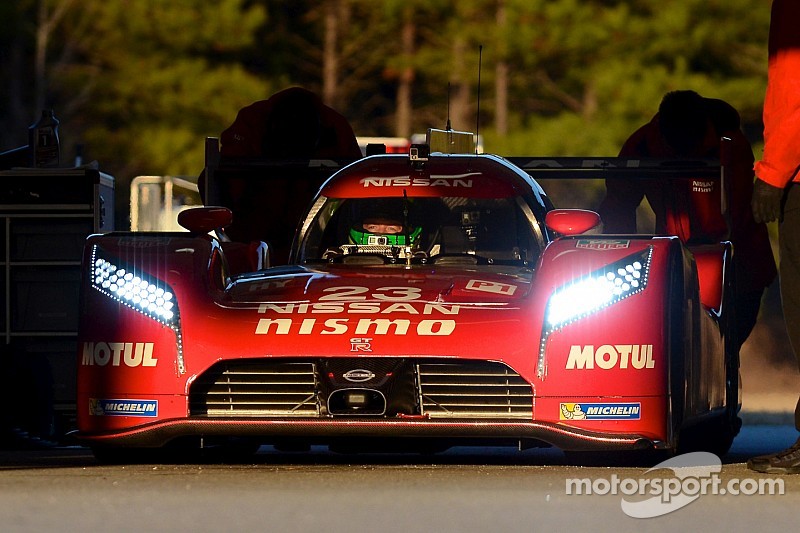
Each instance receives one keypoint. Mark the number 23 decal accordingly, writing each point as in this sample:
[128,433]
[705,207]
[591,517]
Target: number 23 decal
[395,294]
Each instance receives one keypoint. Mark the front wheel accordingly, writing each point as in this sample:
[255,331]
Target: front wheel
[713,436]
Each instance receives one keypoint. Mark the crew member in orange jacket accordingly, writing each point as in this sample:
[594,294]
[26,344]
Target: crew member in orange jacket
[776,194]
[688,125]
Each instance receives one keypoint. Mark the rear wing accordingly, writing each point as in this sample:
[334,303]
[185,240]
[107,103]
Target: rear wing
[275,194]
[605,168]
[538,168]
[616,167]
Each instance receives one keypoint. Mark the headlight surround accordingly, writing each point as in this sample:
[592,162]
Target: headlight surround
[591,293]
[141,292]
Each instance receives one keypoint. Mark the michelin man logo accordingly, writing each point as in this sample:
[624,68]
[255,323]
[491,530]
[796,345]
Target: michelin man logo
[572,411]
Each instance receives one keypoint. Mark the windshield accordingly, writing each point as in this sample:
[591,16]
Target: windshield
[455,230]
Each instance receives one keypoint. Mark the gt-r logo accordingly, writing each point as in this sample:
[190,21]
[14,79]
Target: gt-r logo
[360,344]
[491,286]
[606,357]
[131,354]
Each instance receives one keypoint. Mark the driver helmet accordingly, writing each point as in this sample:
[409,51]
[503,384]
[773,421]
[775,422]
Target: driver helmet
[383,227]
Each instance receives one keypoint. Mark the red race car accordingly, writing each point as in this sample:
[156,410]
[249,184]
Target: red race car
[429,300]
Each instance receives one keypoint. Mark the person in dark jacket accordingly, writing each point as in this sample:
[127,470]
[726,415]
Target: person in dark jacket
[291,125]
[688,125]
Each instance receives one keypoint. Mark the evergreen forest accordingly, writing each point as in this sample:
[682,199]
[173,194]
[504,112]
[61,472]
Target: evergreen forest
[139,84]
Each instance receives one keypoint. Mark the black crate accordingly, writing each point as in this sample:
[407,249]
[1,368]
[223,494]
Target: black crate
[44,298]
[48,239]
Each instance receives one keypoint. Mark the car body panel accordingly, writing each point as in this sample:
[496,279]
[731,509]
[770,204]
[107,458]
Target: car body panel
[456,346]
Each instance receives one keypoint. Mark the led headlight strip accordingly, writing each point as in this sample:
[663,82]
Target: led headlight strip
[142,293]
[139,292]
[589,294]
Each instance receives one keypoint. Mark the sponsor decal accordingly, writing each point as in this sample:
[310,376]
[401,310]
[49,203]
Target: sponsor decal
[607,357]
[406,181]
[139,242]
[361,344]
[132,354]
[571,411]
[491,286]
[268,285]
[600,411]
[364,326]
[146,408]
[603,244]
[702,186]
[358,375]
[359,300]
[371,308]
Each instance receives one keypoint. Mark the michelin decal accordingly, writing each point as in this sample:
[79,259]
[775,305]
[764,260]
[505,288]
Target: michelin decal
[600,411]
[146,408]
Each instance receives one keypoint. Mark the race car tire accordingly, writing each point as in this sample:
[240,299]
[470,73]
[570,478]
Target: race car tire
[682,307]
[713,436]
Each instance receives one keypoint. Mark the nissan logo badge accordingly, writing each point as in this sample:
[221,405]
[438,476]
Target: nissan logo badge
[358,375]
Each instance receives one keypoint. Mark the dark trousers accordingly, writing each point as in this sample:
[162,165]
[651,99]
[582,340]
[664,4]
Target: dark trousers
[789,238]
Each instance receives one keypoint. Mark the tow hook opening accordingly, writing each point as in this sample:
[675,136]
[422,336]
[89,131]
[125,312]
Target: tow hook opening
[357,402]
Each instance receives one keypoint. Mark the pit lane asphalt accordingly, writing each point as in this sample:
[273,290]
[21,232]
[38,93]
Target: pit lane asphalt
[464,490]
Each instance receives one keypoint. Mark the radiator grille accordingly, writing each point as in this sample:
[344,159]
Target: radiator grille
[473,390]
[270,389]
[256,389]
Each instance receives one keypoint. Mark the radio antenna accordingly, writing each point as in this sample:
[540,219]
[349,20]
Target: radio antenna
[406,228]
[478,114]
[448,127]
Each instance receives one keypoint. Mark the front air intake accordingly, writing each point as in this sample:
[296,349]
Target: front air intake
[387,387]
[473,390]
[256,389]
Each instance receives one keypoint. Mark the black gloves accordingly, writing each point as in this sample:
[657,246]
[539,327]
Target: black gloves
[766,202]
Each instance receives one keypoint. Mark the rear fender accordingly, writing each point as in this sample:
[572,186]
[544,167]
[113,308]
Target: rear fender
[713,264]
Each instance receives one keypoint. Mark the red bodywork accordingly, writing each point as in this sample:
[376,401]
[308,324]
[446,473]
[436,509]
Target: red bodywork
[627,375]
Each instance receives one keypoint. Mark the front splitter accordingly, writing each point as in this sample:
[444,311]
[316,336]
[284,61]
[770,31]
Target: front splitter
[568,438]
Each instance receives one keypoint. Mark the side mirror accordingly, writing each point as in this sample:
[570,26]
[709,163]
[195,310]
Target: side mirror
[571,221]
[200,220]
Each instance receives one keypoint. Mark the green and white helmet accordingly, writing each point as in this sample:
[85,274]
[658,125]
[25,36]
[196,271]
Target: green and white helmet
[384,222]
[362,237]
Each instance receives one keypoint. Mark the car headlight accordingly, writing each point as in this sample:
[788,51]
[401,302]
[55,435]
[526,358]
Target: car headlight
[137,290]
[591,293]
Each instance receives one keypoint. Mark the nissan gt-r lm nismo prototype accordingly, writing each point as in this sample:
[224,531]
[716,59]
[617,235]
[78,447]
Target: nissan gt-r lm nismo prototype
[430,300]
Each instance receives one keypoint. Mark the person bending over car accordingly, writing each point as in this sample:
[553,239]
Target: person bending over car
[688,125]
[291,125]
